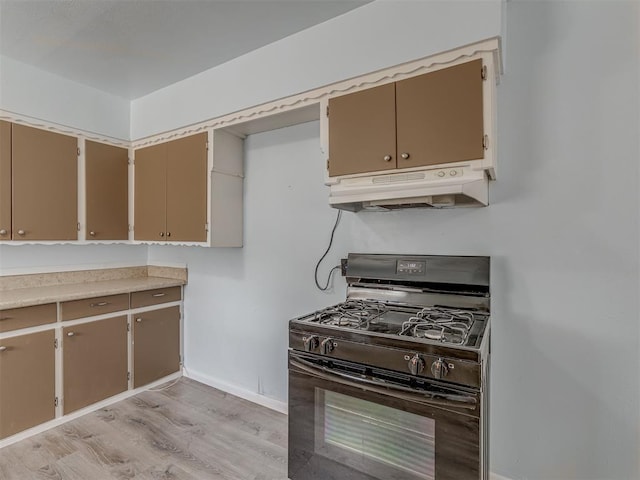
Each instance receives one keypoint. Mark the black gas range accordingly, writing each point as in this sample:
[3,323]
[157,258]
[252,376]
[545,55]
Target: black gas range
[392,383]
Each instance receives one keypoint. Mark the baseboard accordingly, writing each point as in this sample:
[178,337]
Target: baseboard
[495,476]
[270,403]
[5,442]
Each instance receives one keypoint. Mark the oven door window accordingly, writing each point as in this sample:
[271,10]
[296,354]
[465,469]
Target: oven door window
[383,442]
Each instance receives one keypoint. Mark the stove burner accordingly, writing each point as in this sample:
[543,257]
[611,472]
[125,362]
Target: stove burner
[351,314]
[440,324]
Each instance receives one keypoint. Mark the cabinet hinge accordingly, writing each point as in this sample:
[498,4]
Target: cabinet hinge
[130,162]
[78,151]
[55,343]
[55,402]
[483,73]
[485,142]
[180,359]
[130,228]
[327,164]
[206,227]
[327,110]
[78,226]
[128,376]
[128,327]
[207,144]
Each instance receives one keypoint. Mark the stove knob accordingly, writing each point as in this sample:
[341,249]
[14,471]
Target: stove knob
[416,365]
[327,345]
[439,368]
[310,343]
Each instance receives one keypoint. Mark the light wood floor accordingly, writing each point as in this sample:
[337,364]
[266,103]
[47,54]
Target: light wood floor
[187,432]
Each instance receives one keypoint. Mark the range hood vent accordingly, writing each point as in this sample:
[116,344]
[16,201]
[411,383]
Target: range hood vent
[439,188]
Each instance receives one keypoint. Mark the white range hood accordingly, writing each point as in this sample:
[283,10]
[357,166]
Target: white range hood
[442,187]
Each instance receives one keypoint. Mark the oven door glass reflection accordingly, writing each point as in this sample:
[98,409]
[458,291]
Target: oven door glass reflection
[381,441]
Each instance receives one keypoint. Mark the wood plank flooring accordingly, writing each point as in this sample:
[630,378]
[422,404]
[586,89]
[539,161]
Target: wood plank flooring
[188,431]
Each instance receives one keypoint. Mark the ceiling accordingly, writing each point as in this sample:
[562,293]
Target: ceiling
[132,47]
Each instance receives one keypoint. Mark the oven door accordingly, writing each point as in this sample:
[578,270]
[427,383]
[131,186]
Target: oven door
[351,422]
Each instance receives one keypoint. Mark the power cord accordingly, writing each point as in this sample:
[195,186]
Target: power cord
[326,287]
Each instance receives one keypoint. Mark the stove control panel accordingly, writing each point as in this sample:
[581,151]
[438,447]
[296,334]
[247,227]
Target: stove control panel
[415,362]
[411,267]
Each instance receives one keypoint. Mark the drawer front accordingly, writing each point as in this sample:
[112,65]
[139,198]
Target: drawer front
[89,307]
[155,297]
[16,318]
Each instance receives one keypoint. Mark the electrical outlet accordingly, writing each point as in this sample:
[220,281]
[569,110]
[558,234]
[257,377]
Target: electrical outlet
[343,267]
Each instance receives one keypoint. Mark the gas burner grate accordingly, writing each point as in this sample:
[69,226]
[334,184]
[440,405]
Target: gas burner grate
[355,314]
[439,324]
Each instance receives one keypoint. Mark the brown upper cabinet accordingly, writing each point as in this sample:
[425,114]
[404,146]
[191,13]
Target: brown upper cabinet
[44,184]
[107,191]
[5,180]
[170,193]
[430,119]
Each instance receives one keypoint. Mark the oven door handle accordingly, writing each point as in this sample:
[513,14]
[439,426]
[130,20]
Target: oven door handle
[379,386]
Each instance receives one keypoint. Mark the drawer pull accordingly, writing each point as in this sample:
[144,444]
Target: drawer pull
[3,348]
[139,320]
[99,304]
[158,295]
[70,334]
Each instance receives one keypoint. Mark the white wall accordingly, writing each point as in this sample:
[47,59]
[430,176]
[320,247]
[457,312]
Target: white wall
[29,91]
[19,259]
[375,36]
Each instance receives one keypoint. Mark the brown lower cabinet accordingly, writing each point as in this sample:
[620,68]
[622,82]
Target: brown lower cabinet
[95,363]
[27,381]
[156,345]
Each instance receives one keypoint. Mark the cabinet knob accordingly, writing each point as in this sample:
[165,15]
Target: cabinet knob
[70,334]
[405,155]
[3,231]
[139,320]
[162,234]
[168,234]
[93,234]
[387,158]
[3,348]
[21,232]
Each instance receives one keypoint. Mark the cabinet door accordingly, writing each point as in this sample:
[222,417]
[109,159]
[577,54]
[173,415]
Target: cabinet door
[107,191]
[150,192]
[45,184]
[187,189]
[5,180]
[27,382]
[156,345]
[440,117]
[362,131]
[94,362]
